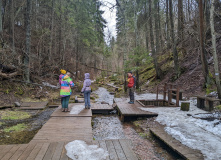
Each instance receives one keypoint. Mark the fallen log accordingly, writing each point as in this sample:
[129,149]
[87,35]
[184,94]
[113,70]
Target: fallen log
[8,75]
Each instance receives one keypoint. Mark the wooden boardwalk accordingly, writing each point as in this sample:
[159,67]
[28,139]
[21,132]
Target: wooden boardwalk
[128,111]
[101,108]
[33,105]
[63,127]
[117,149]
[182,150]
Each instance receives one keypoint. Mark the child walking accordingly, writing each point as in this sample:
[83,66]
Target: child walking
[87,90]
[65,92]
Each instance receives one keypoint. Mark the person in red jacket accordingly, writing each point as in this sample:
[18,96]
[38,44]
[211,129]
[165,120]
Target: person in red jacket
[131,86]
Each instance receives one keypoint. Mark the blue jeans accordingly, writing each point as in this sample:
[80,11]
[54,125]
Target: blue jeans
[65,101]
[87,98]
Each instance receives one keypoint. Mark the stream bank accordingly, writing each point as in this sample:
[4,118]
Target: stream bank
[17,130]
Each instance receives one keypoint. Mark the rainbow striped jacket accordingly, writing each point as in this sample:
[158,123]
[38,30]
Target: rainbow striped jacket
[66,84]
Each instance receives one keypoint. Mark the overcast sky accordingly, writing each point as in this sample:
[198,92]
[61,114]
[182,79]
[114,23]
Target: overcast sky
[110,16]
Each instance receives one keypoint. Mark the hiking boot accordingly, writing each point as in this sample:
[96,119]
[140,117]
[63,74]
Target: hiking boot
[131,102]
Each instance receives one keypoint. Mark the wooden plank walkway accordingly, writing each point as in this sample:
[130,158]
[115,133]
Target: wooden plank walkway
[117,149]
[33,105]
[83,113]
[101,108]
[65,129]
[127,111]
[182,150]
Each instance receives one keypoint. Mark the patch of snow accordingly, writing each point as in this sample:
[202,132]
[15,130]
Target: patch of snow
[77,109]
[79,150]
[194,133]
[49,85]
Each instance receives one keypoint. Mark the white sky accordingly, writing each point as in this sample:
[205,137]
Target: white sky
[110,16]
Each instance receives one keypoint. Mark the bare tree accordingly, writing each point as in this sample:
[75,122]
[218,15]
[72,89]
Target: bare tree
[174,41]
[202,46]
[152,40]
[215,58]
[28,42]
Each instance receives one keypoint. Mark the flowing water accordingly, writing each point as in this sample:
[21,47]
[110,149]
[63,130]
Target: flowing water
[107,127]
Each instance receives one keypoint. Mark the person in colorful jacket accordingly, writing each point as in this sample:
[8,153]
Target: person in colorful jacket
[131,86]
[87,90]
[63,72]
[65,92]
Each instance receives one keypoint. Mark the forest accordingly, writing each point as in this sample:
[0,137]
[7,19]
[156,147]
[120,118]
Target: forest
[159,40]
[110,79]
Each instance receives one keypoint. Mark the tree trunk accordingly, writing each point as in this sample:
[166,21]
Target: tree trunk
[136,42]
[152,41]
[180,20]
[207,12]
[175,54]
[146,27]
[11,25]
[167,24]
[202,47]
[157,39]
[159,26]
[28,42]
[1,26]
[51,33]
[215,57]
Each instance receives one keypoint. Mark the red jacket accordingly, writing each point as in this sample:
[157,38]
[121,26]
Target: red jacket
[131,82]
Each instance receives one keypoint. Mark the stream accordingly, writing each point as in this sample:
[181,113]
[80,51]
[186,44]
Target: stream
[107,127]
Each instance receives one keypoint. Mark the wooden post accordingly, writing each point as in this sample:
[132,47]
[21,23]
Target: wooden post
[165,91]
[157,93]
[157,96]
[177,96]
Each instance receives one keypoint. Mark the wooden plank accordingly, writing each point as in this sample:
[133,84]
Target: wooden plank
[127,150]
[111,150]
[35,151]
[5,149]
[103,145]
[50,151]
[119,150]
[175,145]
[58,151]
[10,153]
[42,152]
[63,154]
[18,153]
[65,129]
[28,150]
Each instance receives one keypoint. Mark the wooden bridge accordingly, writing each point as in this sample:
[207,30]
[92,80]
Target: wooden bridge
[61,128]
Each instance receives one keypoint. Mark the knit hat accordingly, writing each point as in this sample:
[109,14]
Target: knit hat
[63,71]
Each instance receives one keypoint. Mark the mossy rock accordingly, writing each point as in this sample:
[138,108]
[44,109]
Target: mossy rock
[16,128]
[185,106]
[14,115]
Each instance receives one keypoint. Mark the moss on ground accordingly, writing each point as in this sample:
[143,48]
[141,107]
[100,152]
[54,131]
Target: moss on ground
[17,128]
[14,115]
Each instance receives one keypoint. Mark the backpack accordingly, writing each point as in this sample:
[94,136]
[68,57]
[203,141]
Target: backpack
[134,80]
